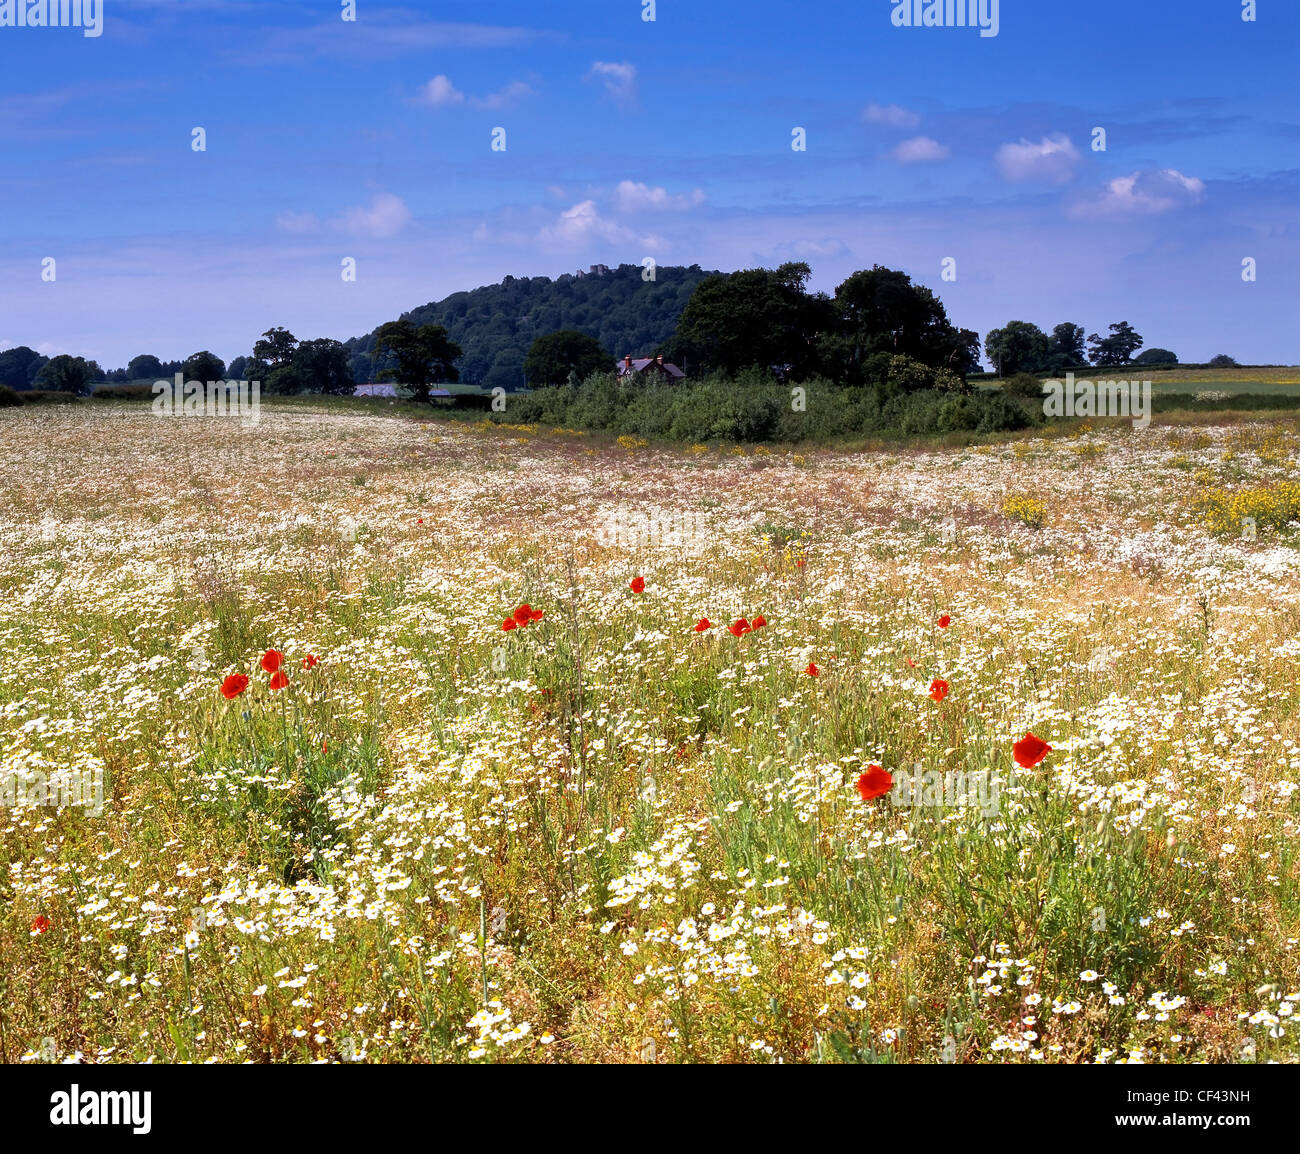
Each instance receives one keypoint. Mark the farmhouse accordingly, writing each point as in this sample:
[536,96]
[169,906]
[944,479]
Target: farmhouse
[649,368]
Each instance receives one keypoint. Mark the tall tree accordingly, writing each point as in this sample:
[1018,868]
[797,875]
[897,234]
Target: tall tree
[1065,347]
[65,374]
[204,366]
[556,357]
[880,313]
[424,355]
[19,366]
[321,366]
[1020,347]
[1116,349]
[756,317]
[276,347]
[144,367]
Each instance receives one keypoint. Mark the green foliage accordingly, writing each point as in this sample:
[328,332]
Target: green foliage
[204,366]
[19,366]
[423,355]
[1019,347]
[1156,357]
[558,358]
[496,325]
[1222,361]
[1116,349]
[145,365]
[9,397]
[65,374]
[753,407]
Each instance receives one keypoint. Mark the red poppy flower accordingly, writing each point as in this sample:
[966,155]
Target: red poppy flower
[279,680]
[758,622]
[509,623]
[875,783]
[945,621]
[537,615]
[911,663]
[1030,750]
[272,659]
[419,520]
[40,924]
[702,624]
[799,563]
[812,670]
[233,686]
[524,614]
[638,585]
[310,661]
[738,628]
[938,689]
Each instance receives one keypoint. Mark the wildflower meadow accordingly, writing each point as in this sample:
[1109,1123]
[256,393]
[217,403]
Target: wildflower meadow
[366,739]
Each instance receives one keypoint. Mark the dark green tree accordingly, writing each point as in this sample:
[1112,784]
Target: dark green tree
[1020,347]
[1222,361]
[321,366]
[276,347]
[756,317]
[19,366]
[65,374]
[556,357]
[879,311]
[204,366]
[424,356]
[1116,349]
[1065,348]
[145,367]
[1156,357]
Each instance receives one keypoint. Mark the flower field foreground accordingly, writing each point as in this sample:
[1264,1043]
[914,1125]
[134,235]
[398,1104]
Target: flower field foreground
[418,742]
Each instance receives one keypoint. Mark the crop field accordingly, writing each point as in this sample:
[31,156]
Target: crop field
[389,740]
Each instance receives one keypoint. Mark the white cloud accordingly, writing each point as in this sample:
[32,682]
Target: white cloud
[583,225]
[1052,159]
[1144,194]
[386,216]
[442,93]
[508,95]
[891,115]
[919,150]
[619,79]
[636,197]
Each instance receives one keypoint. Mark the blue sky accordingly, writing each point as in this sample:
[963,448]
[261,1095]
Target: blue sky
[625,139]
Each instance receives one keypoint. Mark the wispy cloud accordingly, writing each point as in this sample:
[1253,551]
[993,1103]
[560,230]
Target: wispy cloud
[583,225]
[619,78]
[635,197]
[1051,159]
[1143,194]
[890,115]
[440,92]
[919,150]
[385,216]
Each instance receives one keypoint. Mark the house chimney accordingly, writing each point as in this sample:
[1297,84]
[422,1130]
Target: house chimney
[627,363]
[661,359]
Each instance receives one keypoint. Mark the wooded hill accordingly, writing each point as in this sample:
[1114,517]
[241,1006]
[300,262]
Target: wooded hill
[495,326]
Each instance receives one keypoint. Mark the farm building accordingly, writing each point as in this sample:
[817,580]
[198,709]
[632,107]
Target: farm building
[648,368]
